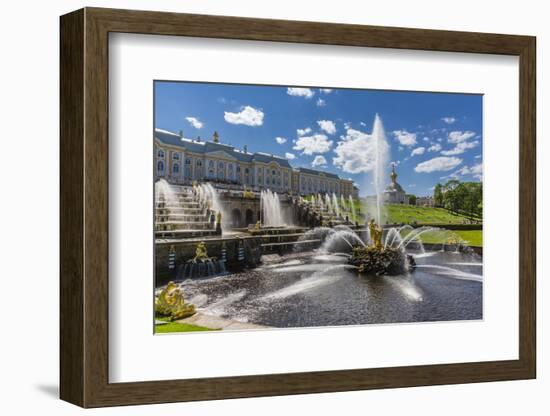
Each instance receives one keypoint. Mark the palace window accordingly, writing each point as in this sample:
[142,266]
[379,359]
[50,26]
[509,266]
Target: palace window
[175,169]
[160,167]
[175,156]
[187,161]
[160,154]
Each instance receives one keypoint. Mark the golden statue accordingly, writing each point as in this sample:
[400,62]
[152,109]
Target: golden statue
[200,252]
[375,235]
[171,303]
[219,217]
[247,193]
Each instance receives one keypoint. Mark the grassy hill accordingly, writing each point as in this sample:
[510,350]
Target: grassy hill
[408,214]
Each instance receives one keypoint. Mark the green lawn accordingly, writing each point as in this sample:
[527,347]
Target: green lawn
[470,237]
[407,214]
[397,214]
[177,327]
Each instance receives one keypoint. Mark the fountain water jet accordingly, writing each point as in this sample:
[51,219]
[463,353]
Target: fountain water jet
[381,157]
[272,215]
[352,208]
[335,205]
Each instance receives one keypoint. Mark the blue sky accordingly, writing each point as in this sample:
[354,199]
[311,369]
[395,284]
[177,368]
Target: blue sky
[432,136]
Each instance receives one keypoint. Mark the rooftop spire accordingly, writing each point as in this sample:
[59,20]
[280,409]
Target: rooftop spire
[216,137]
[393,174]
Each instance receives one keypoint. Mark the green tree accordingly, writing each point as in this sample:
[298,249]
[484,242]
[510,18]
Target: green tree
[438,195]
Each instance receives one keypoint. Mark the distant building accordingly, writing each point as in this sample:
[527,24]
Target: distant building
[184,161]
[355,192]
[425,201]
[394,193]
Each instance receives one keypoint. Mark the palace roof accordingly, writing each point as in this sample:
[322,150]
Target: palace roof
[203,147]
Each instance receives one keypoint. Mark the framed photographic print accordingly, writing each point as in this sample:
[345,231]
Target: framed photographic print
[261,207]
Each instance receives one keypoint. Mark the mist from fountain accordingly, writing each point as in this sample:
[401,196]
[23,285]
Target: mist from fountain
[272,215]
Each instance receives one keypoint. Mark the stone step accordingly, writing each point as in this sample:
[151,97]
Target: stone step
[182,217]
[178,225]
[179,234]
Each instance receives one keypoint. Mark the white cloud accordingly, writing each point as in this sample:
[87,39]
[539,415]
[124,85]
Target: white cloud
[438,164]
[195,122]
[460,136]
[290,156]
[327,126]
[303,132]
[448,120]
[460,148]
[475,170]
[426,139]
[301,92]
[249,116]
[405,138]
[319,161]
[325,90]
[317,143]
[418,151]
[280,140]
[320,102]
[363,124]
[355,153]
[436,147]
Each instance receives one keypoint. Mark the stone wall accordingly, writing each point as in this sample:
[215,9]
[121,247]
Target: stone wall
[184,250]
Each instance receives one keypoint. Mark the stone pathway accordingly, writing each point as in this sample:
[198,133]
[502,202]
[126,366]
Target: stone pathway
[215,322]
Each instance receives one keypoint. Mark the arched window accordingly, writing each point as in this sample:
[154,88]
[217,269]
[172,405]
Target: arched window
[160,167]
[175,169]
[175,156]
[160,154]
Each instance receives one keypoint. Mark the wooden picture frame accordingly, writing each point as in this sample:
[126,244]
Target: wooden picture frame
[84,207]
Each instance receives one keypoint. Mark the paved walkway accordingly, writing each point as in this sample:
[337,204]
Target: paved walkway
[215,322]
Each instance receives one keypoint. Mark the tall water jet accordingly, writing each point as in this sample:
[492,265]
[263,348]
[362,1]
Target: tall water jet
[320,202]
[335,205]
[328,203]
[164,194]
[272,215]
[352,208]
[209,194]
[381,157]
